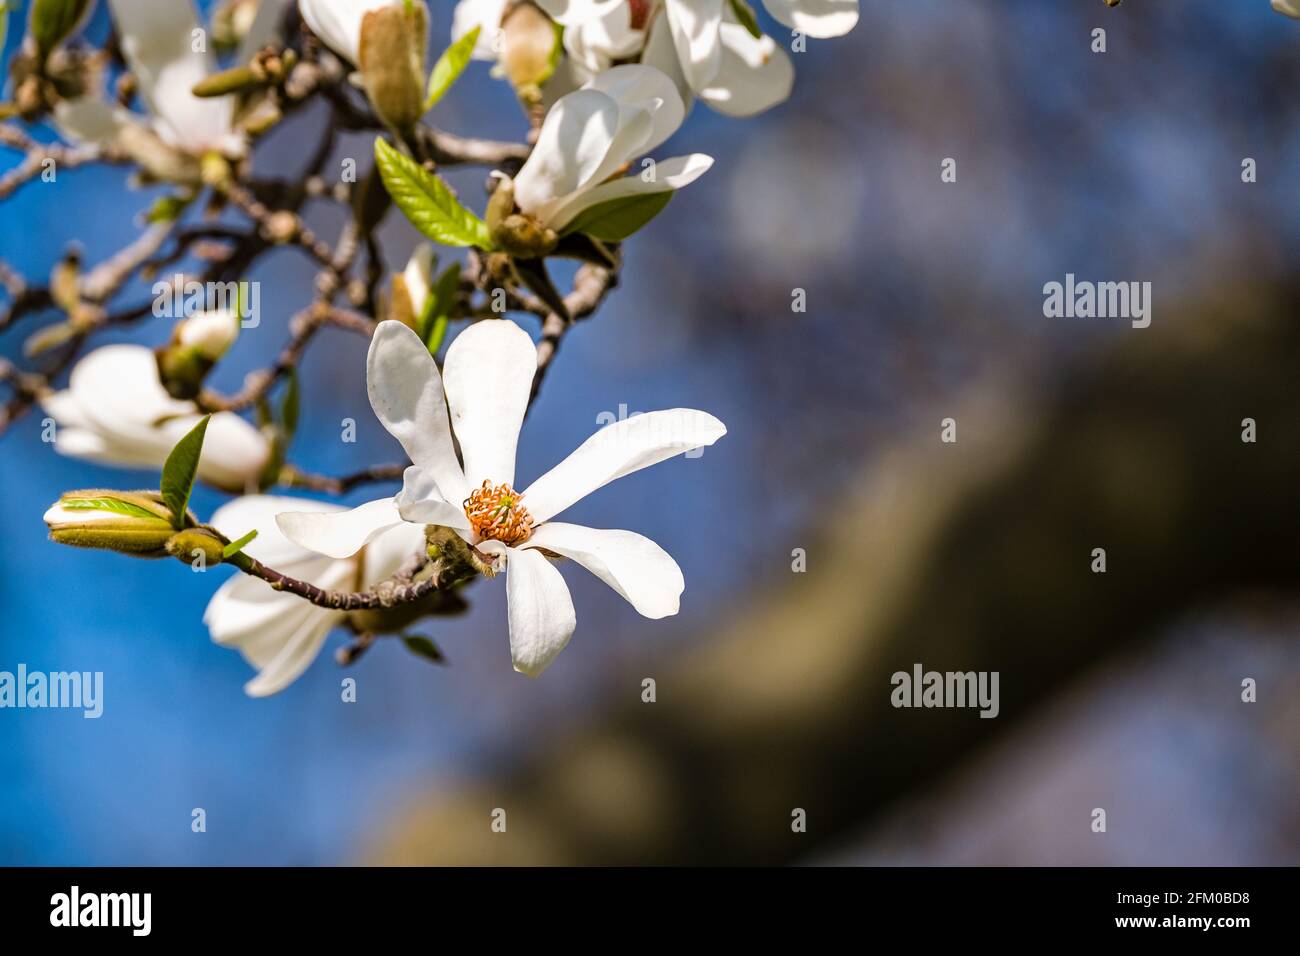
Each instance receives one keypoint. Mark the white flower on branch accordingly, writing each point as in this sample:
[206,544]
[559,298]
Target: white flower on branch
[278,633]
[482,395]
[115,411]
[167,52]
[591,136]
[699,43]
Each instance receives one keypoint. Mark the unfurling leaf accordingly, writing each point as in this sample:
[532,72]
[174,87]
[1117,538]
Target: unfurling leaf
[450,66]
[53,20]
[179,471]
[423,647]
[232,549]
[745,17]
[428,202]
[438,308]
[615,220]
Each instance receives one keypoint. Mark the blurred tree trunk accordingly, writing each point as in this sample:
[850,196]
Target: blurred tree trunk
[970,556]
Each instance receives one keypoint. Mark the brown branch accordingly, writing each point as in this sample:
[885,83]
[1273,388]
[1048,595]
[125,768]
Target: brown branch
[291,477]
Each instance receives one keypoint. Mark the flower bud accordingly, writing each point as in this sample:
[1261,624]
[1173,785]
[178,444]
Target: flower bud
[188,544]
[393,45]
[196,345]
[530,47]
[210,334]
[130,522]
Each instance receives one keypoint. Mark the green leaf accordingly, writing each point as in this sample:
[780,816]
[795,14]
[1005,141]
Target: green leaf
[745,16]
[115,505]
[232,549]
[438,308]
[428,202]
[423,647]
[615,220]
[289,407]
[450,66]
[166,209]
[179,471]
[53,20]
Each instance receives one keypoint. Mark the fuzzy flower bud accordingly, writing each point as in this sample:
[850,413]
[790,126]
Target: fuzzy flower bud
[129,522]
[393,46]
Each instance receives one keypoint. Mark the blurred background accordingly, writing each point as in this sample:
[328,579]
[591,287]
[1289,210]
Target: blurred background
[1119,691]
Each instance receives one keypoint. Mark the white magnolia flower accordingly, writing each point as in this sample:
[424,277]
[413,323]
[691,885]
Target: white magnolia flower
[1289,7]
[167,52]
[714,58]
[116,411]
[278,633]
[482,395]
[589,138]
[747,76]
[338,23]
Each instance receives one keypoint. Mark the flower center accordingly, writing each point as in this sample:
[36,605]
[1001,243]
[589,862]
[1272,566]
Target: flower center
[494,512]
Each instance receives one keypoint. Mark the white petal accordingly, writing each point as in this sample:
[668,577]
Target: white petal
[158,41]
[647,88]
[754,75]
[257,513]
[421,502]
[296,656]
[418,276]
[572,12]
[484,14]
[597,43]
[340,534]
[407,396]
[661,53]
[64,409]
[250,615]
[670,174]
[816,18]
[633,565]
[574,139]
[541,612]
[387,553]
[617,450]
[694,26]
[338,23]
[488,374]
[117,396]
[90,120]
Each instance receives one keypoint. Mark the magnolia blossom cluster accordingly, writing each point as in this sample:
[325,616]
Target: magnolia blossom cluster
[605,83]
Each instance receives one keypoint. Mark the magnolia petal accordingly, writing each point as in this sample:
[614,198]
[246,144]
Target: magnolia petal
[250,615]
[64,409]
[387,553]
[159,42]
[541,611]
[296,656]
[642,572]
[421,502]
[670,174]
[338,23]
[754,74]
[488,374]
[661,53]
[816,18]
[694,26]
[573,142]
[595,44]
[258,513]
[339,534]
[418,276]
[234,452]
[646,87]
[617,450]
[406,393]
[90,120]
[484,14]
[574,12]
